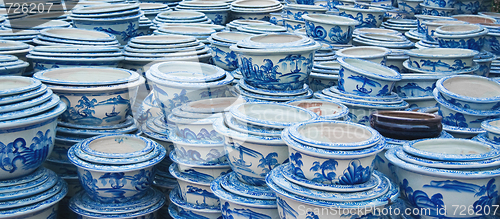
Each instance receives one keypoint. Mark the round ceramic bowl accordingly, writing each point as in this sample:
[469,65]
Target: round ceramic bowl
[459,29]
[329,28]
[432,25]
[470,92]
[195,129]
[370,17]
[458,116]
[296,11]
[293,25]
[233,204]
[105,103]
[436,11]
[370,53]
[251,156]
[271,115]
[209,106]
[100,181]
[222,56]
[416,85]
[299,62]
[194,190]
[172,94]
[484,60]
[433,182]
[187,72]
[202,171]
[289,204]
[356,74]
[123,28]
[442,59]
[352,166]
[326,110]
[318,82]
[334,135]
[180,209]
[492,128]
[198,150]
[474,41]
[406,125]
[409,7]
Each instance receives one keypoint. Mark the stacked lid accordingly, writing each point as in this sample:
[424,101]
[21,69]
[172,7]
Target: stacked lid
[24,36]
[254,10]
[11,65]
[261,28]
[33,194]
[218,12]
[75,36]
[181,17]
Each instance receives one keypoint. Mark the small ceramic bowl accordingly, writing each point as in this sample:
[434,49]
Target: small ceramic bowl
[492,128]
[369,17]
[370,53]
[334,135]
[251,156]
[326,110]
[442,59]
[203,171]
[470,92]
[194,190]
[310,162]
[356,74]
[475,41]
[98,179]
[329,28]
[222,56]
[406,125]
[416,85]
[432,25]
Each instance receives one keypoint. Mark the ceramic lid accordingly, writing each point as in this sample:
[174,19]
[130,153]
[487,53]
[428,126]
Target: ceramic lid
[10,45]
[440,149]
[97,9]
[255,4]
[275,115]
[23,96]
[10,85]
[181,15]
[275,40]
[26,103]
[330,19]
[163,39]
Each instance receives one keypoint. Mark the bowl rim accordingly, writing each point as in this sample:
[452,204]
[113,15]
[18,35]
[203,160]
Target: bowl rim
[221,128]
[344,64]
[472,112]
[386,115]
[132,76]
[408,148]
[440,86]
[348,21]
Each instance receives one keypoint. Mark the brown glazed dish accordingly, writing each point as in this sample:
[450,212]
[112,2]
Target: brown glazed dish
[406,125]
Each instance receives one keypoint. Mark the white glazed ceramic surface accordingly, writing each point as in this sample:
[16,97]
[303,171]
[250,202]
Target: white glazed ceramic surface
[442,59]
[324,109]
[198,150]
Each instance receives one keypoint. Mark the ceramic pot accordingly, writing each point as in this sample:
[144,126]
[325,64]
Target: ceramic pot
[442,59]
[406,125]
[371,17]
[416,85]
[318,82]
[370,53]
[329,28]
[410,7]
[448,37]
[194,190]
[436,11]
[433,24]
[198,150]
[208,171]
[492,130]
[326,110]
[296,11]
[442,4]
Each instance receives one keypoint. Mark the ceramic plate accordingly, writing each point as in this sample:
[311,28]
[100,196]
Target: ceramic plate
[273,115]
[373,182]
[41,171]
[14,199]
[24,96]
[29,185]
[232,184]
[127,123]
[27,103]
[11,85]
[276,175]
[243,127]
[250,88]
[53,101]
[76,49]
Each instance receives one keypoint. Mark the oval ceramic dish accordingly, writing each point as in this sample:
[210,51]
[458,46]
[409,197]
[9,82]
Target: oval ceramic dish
[273,115]
[181,72]
[327,110]
[451,149]
[87,76]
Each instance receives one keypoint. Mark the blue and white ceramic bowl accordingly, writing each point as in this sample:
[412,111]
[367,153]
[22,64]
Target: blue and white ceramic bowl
[370,53]
[318,81]
[484,60]
[221,54]
[443,4]
[474,41]
[458,116]
[433,182]
[199,150]
[370,17]
[106,102]
[442,59]
[298,61]
[292,25]
[356,74]
[410,7]
[327,110]
[289,205]
[296,11]
[329,28]
[98,180]
[310,162]
[470,92]
[491,42]
[195,129]
[432,25]
[41,63]
[492,128]
[439,149]
[194,190]
[180,209]
[232,205]
[251,156]
[208,171]
[436,11]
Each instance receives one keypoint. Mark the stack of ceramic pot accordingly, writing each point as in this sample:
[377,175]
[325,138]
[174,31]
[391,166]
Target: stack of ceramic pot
[438,167]
[485,61]
[368,17]
[25,36]
[120,20]
[324,75]
[326,110]
[275,67]
[254,10]
[28,114]
[181,17]
[254,147]
[47,57]
[11,65]
[410,7]
[200,33]
[438,8]
[104,160]
[364,86]
[218,12]
[18,49]
[292,15]
[420,33]
[233,25]
[222,56]
[465,36]
[425,67]
[465,101]
[144,51]
[430,40]
[74,36]
[401,25]
[492,135]
[152,9]
[175,83]
[389,41]
[309,181]
[34,24]
[145,27]
[261,29]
